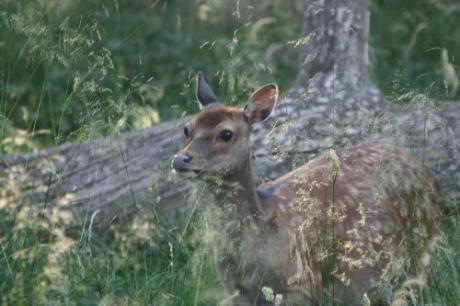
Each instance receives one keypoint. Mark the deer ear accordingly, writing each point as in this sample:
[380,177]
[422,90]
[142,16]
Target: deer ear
[261,103]
[204,93]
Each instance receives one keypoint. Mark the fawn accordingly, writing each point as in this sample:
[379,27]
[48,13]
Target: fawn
[332,228]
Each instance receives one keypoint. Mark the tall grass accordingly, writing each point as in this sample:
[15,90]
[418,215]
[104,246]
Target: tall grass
[143,263]
[150,263]
[77,70]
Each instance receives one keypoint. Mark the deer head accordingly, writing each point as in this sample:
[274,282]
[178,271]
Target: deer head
[217,138]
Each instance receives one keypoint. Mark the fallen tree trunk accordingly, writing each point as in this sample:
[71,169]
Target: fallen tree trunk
[333,105]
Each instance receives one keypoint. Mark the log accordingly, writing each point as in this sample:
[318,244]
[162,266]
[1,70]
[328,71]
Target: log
[333,105]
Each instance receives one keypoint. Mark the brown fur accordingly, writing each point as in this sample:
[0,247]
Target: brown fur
[340,223]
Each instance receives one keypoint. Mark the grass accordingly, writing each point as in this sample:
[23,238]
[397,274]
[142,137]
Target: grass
[164,267]
[78,70]
[149,263]
[444,281]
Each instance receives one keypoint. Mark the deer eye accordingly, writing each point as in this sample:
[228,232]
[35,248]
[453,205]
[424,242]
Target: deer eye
[226,135]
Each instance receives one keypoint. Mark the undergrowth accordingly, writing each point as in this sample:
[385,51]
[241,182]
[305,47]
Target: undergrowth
[150,263]
[79,70]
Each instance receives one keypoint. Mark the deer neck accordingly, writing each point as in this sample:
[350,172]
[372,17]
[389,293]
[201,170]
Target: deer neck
[236,191]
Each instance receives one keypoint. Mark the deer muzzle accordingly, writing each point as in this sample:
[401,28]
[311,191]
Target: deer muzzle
[181,162]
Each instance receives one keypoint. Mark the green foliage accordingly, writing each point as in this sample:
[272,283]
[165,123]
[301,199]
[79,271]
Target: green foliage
[407,39]
[23,255]
[77,70]
[148,263]
[143,263]
[444,281]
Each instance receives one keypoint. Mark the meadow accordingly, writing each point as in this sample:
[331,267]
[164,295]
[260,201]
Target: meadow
[72,71]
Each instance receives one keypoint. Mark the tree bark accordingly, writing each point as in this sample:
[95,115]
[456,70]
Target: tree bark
[332,105]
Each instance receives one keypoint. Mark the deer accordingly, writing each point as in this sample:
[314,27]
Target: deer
[338,228]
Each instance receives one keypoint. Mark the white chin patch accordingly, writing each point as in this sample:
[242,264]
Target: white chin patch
[186,174]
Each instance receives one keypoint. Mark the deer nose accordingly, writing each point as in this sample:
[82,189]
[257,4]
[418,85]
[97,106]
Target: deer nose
[180,162]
